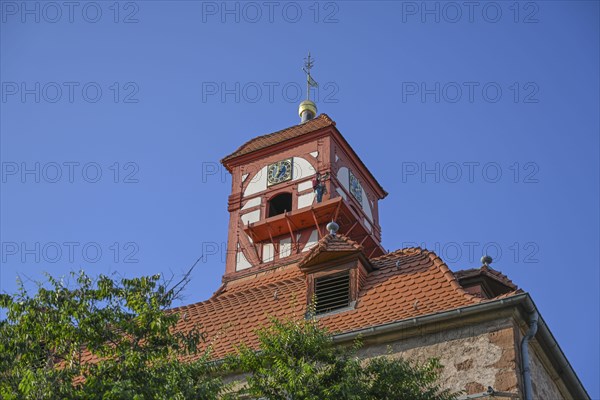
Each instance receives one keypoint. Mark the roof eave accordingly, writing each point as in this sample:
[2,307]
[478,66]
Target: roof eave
[230,162]
[377,186]
[564,369]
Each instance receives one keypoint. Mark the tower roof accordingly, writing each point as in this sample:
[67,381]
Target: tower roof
[321,122]
[263,141]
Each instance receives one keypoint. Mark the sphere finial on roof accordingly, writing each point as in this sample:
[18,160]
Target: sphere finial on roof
[307,111]
[486,260]
[332,227]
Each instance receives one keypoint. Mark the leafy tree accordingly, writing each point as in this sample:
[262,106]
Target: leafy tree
[46,341]
[298,360]
[107,339]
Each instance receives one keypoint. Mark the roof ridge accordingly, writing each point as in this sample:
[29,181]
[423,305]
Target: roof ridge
[224,294]
[323,244]
[449,275]
[403,251]
[247,288]
[342,237]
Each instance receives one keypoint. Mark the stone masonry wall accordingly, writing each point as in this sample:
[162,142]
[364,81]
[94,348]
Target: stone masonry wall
[541,381]
[474,357]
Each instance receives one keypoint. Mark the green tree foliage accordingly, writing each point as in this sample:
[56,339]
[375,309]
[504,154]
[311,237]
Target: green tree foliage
[46,339]
[113,340]
[298,360]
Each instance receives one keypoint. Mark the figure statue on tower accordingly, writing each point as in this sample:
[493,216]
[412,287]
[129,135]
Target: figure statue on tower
[319,187]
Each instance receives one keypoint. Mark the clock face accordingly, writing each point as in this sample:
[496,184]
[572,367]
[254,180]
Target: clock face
[355,188]
[280,171]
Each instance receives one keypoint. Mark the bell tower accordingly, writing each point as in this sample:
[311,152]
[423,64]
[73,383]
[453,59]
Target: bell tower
[288,185]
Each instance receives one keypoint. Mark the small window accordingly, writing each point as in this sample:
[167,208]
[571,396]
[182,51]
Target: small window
[332,293]
[280,204]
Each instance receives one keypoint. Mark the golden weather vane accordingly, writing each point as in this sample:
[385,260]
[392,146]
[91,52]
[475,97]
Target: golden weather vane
[310,82]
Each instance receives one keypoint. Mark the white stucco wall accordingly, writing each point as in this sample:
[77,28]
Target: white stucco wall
[343,176]
[301,169]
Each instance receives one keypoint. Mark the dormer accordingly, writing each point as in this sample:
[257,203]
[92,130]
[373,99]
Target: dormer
[484,282]
[335,270]
[275,217]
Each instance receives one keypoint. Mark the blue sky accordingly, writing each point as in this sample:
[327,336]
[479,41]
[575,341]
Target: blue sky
[481,122]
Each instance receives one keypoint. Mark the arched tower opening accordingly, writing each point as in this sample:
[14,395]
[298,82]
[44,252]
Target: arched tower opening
[279,204]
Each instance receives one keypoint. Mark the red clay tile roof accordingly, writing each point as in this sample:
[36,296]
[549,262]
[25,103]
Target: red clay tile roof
[338,244]
[405,284]
[263,141]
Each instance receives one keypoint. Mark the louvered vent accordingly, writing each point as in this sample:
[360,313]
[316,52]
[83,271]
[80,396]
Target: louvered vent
[332,293]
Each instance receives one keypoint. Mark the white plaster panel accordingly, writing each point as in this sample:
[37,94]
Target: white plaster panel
[302,169]
[312,241]
[268,252]
[251,217]
[252,203]
[305,186]
[306,200]
[241,262]
[258,183]
[314,154]
[285,247]
[344,178]
[366,206]
[368,225]
[244,177]
[341,193]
